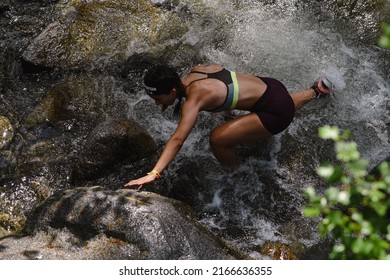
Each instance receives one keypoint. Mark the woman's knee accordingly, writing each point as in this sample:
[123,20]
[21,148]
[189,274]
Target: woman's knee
[216,138]
[213,138]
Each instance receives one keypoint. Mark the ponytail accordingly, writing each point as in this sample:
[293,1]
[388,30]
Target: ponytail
[180,95]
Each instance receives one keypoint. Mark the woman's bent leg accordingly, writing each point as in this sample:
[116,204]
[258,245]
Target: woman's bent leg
[243,129]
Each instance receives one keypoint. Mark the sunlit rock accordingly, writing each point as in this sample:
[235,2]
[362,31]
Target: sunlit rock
[359,18]
[277,251]
[99,33]
[83,98]
[17,199]
[10,223]
[249,206]
[6,132]
[94,223]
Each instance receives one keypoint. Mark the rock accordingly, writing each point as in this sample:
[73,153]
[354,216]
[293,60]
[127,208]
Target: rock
[110,144]
[200,187]
[277,251]
[100,33]
[376,171]
[94,223]
[4,6]
[6,132]
[18,199]
[83,98]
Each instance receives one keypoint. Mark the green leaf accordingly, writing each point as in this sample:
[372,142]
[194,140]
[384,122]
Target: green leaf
[343,197]
[346,135]
[386,29]
[380,209]
[358,246]
[338,252]
[329,132]
[332,194]
[333,174]
[376,196]
[357,217]
[347,151]
[323,202]
[335,217]
[379,185]
[325,171]
[311,212]
[384,169]
[358,168]
[366,228]
[384,42]
[310,192]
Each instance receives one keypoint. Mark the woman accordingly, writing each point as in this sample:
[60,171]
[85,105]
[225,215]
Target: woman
[214,88]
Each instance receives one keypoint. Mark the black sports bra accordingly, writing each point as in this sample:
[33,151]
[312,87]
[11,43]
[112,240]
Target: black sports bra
[229,78]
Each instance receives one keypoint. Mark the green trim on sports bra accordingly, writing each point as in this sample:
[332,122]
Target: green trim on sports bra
[235,90]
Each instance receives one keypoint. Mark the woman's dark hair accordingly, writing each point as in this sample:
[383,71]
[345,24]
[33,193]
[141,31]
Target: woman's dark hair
[161,79]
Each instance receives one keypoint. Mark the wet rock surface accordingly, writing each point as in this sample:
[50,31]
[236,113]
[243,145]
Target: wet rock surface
[6,132]
[71,88]
[94,33]
[278,251]
[109,145]
[95,223]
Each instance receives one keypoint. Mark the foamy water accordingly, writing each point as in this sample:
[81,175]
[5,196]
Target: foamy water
[282,42]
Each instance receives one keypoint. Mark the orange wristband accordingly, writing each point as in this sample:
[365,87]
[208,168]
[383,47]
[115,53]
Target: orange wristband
[155,172]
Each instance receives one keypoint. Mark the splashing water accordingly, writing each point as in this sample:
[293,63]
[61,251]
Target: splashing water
[294,41]
[280,41]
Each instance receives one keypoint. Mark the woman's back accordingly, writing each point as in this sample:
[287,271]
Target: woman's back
[249,88]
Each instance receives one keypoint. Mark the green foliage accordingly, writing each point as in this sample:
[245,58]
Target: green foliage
[355,209]
[384,41]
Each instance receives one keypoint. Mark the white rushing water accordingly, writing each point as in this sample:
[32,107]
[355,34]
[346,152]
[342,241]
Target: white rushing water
[295,41]
[284,42]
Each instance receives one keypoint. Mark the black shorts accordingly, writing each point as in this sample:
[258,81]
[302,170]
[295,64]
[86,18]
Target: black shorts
[275,107]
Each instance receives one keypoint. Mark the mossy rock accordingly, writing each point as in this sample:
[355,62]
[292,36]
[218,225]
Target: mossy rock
[6,132]
[95,223]
[277,251]
[84,98]
[103,33]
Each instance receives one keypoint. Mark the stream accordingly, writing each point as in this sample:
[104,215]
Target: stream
[261,202]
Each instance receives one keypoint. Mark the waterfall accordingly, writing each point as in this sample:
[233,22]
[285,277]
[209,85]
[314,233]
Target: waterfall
[291,40]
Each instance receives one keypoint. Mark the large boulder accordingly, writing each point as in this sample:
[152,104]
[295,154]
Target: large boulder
[99,33]
[96,223]
[83,98]
[110,144]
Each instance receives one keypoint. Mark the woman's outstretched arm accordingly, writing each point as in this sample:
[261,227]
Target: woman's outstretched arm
[190,111]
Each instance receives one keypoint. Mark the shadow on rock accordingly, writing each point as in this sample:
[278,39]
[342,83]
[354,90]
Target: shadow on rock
[96,223]
[110,144]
